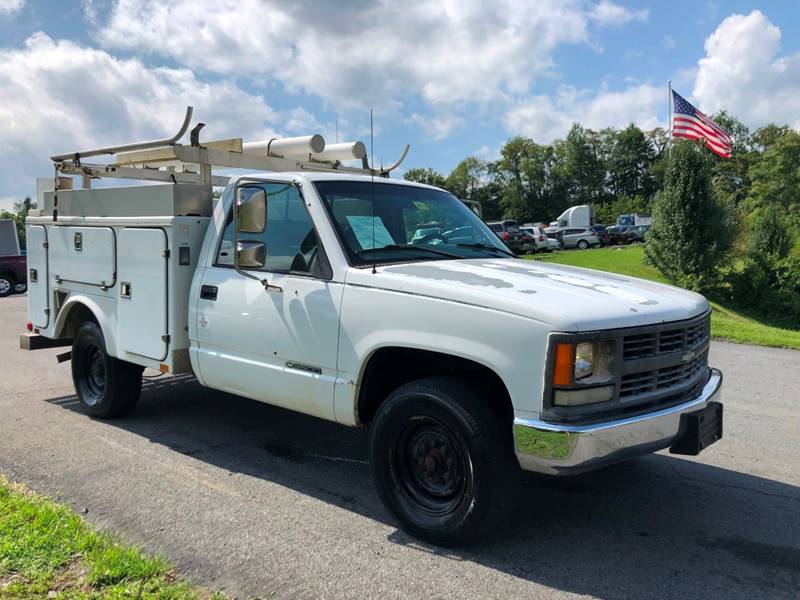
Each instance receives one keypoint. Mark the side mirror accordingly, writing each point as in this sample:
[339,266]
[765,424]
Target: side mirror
[251,254]
[251,210]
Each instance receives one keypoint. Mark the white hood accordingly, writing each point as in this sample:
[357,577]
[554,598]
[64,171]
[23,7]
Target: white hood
[566,298]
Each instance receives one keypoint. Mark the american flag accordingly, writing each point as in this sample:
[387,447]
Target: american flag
[688,122]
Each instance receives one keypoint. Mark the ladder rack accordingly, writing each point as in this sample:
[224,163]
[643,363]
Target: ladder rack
[168,161]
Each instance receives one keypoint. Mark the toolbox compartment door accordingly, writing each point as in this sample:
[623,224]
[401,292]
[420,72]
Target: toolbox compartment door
[82,255]
[38,277]
[142,292]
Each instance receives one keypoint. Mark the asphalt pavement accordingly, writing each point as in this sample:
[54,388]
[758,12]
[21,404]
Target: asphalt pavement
[262,502]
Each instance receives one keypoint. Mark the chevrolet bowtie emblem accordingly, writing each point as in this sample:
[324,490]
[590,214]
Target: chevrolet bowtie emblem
[688,356]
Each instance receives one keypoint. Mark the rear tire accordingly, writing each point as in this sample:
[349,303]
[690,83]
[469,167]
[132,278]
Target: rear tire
[7,285]
[106,386]
[442,461]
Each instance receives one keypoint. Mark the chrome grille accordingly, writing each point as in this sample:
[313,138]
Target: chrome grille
[653,343]
[662,379]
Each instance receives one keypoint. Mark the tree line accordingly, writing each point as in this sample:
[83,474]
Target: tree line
[727,227]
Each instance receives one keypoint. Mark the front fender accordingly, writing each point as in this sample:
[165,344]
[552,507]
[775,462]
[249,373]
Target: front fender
[512,346]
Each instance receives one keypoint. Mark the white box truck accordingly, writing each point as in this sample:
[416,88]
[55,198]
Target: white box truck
[318,287]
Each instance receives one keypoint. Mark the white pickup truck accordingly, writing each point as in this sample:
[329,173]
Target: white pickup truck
[329,292]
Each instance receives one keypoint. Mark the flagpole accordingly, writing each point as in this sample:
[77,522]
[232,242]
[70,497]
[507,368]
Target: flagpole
[669,113]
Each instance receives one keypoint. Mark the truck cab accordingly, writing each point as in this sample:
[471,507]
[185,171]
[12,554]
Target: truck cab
[313,289]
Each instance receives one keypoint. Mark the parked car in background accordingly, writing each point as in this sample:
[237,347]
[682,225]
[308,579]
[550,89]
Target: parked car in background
[540,238]
[508,231]
[13,274]
[602,233]
[638,233]
[578,237]
[618,234]
[528,241]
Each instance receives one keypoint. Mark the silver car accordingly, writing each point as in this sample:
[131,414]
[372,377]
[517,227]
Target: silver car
[578,238]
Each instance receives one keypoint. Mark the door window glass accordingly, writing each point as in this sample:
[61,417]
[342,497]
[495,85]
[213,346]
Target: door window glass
[292,243]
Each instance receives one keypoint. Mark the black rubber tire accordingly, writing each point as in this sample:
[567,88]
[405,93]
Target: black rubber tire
[7,285]
[583,244]
[479,459]
[106,386]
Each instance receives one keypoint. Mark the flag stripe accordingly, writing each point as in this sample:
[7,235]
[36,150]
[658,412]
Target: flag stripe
[690,124]
[695,136]
[700,136]
[683,121]
[713,125]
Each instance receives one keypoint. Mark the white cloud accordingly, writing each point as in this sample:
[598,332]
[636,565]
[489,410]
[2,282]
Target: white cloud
[299,120]
[543,118]
[8,7]
[57,96]
[609,14]
[436,127]
[744,73]
[357,54]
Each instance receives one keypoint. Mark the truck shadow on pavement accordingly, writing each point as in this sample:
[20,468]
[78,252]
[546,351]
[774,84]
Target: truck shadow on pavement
[656,527]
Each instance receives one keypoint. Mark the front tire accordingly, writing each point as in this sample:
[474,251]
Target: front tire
[442,461]
[106,386]
[583,244]
[7,285]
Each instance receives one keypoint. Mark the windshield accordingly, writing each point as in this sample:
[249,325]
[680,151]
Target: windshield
[407,223]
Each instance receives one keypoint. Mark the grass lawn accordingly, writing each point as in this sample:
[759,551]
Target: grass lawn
[726,323]
[48,551]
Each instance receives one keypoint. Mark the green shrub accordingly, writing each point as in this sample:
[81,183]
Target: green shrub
[691,230]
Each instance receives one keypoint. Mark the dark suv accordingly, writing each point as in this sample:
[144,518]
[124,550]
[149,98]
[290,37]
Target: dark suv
[509,232]
[13,274]
[602,233]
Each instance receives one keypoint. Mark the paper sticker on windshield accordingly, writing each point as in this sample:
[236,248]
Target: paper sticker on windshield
[370,232]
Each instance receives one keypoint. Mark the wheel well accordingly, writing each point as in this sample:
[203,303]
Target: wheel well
[77,316]
[389,368]
[8,273]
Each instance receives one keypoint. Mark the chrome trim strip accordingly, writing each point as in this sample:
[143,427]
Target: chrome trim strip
[562,449]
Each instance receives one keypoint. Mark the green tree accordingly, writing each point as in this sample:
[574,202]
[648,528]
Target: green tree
[466,178]
[769,238]
[580,166]
[425,175]
[691,231]
[730,178]
[524,174]
[764,137]
[775,174]
[631,158]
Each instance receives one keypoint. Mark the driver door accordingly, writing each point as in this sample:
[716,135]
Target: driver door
[274,343]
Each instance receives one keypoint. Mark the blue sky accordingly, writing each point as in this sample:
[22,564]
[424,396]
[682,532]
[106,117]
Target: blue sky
[452,78]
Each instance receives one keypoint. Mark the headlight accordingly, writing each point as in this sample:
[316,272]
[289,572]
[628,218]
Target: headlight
[586,369]
[594,362]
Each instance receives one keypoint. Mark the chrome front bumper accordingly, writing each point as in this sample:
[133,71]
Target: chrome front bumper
[569,449]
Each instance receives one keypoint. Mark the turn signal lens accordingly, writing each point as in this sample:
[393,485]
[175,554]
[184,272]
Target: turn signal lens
[565,359]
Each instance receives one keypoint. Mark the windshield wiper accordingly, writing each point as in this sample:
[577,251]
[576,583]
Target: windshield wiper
[481,246]
[414,248]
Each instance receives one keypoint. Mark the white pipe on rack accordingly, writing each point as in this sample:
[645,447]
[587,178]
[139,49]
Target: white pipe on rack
[295,147]
[343,151]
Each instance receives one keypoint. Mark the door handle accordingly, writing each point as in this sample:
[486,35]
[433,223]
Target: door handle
[208,292]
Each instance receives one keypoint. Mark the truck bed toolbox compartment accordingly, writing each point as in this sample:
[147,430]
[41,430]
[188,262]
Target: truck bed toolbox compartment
[83,255]
[38,279]
[143,302]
